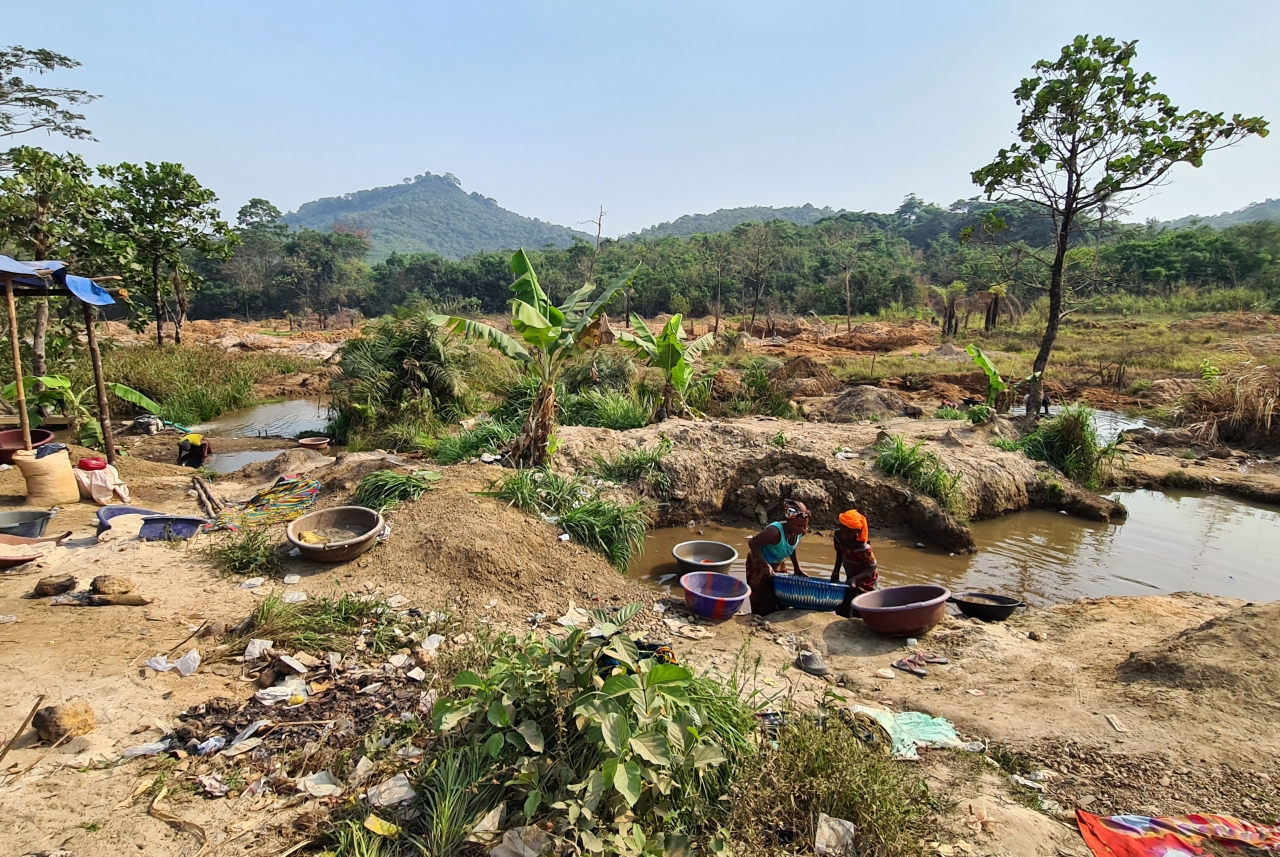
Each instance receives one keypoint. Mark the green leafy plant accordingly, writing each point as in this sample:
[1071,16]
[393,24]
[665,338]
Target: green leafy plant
[57,392]
[548,337]
[621,752]
[669,352]
[995,384]
[1069,442]
[979,414]
[946,412]
[488,437]
[922,470]
[384,490]
[1208,372]
[779,440]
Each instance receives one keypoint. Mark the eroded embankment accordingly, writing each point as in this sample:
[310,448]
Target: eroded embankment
[748,466]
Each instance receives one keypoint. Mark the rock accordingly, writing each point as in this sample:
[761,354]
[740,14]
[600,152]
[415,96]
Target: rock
[1038,636]
[913,411]
[55,585]
[67,720]
[212,630]
[111,584]
[266,678]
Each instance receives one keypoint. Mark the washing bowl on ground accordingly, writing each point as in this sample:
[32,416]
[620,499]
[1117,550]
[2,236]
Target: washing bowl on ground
[903,611]
[703,556]
[712,595]
[362,524]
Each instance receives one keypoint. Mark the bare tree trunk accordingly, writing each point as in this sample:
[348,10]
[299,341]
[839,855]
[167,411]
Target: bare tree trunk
[848,302]
[38,335]
[531,445]
[180,293]
[1055,309]
[715,331]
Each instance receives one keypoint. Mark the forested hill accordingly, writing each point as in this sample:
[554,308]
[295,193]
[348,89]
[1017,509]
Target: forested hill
[1269,210]
[430,214]
[725,219]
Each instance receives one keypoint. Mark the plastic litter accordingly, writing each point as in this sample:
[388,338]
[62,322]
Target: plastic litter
[574,617]
[5,620]
[399,661]
[294,664]
[321,784]
[380,827]
[243,747]
[147,749]
[833,836]
[248,731]
[393,791]
[256,649]
[363,769]
[253,583]
[397,601]
[432,642]
[912,729]
[416,674]
[1026,783]
[294,597]
[210,745]
[213,785]
[291,579]
[185,665]
[272,695]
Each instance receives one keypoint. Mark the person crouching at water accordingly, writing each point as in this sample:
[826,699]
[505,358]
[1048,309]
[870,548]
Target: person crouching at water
[853,554]
[769,551]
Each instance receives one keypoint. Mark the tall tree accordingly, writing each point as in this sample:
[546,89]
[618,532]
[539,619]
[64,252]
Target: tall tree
[325,270]
[844,242]
[26,106]
[1093,132]
[715,252]
[163,211]
[256,261]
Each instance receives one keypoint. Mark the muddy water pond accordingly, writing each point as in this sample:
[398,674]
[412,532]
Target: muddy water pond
[229,462]
[277,419]
[1173,541]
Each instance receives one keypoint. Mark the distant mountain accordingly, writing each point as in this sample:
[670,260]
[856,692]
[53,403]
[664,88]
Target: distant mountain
[1269,210]
[430,214]
[726,219]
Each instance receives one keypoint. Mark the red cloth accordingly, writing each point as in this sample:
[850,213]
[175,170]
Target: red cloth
[1175,836]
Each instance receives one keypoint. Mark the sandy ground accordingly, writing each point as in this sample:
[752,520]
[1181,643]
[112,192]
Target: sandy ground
[1186,745]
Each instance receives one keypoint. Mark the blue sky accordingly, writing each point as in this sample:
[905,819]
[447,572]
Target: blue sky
[653,109]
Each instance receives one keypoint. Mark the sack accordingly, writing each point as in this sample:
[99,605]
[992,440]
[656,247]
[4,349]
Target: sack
[50,480]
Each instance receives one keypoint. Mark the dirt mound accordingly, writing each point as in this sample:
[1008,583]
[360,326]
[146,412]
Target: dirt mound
[808,376]
[947,351]
[288,462]
[1229,322]
[882,336]
[725,385]
[1236,654]
[784,327]
[860,403]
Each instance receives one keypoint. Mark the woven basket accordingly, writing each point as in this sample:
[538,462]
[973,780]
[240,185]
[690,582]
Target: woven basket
[808,593]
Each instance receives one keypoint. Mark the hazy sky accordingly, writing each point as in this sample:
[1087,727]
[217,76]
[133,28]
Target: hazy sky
[654,109]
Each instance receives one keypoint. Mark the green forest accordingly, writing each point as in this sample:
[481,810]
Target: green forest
[920,258]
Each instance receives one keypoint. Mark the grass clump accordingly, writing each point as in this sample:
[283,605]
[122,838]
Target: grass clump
[384,490]
[821,767]
[1240,403]
[640,465]
[491,437]
[1070,443]
[606,526]
[319,625]
[605,368]
[250,552]
[922,470]
[946,412]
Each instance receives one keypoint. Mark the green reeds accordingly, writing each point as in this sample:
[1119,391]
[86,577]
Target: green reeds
[922,470]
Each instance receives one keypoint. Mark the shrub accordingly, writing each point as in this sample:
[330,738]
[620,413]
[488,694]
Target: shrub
[922,470]
[490,437]
[1238,403]
[946,412]
[637,465]
[250,552]
[608,368]
[1070,443]
[979,414]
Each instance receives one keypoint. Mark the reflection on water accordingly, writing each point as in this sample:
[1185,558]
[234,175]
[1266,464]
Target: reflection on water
[1172,541]
[1108,424]
[280,419]
[226,462]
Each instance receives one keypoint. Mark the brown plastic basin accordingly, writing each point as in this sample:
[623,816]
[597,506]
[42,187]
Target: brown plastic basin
[363,524]
[903,611]
[11,442]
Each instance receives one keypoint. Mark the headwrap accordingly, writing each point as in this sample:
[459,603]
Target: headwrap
[856,521]
[795,509]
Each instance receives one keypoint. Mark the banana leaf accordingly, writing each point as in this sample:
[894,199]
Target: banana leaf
[133,397]
[493,337]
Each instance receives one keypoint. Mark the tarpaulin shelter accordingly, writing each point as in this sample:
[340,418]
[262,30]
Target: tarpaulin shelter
[51,279]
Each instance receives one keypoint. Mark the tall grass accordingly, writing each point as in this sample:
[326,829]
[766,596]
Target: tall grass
[606,526]
[922,470]
[607,368]
[315,625]
[1070,443]
[249,552]
[192,384]
[491,437]
[1240,404]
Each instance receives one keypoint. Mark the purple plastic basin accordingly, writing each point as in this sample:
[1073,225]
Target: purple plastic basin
[712,595]
[11,442]
[903,611]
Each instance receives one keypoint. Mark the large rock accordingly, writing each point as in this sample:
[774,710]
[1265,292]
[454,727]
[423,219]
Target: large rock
[111,584]
[55,585]
[55,722]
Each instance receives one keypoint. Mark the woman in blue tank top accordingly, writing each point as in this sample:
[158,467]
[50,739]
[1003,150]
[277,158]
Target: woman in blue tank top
[769,551]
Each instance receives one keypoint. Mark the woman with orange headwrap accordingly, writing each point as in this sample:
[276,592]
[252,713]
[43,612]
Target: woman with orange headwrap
[853,553]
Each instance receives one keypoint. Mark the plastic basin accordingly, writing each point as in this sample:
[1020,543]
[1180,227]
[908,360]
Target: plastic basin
[903,611]
[808,593]
[318,444]
[168,528]
[11,442]
[986,606]
[106,513]
[712,595]
[27,524]
[364,525]
[698,556]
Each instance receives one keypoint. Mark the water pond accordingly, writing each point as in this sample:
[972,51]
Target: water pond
[277,419]
[1173,541]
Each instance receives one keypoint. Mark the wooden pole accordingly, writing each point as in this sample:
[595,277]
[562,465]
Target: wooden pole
[104,414]
[17,363]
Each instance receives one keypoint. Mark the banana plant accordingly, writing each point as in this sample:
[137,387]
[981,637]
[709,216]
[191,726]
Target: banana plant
[58,393]
[546,337]
[669,352]
[995,384]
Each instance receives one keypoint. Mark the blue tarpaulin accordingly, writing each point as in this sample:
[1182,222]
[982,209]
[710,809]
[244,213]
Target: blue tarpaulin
[82,287]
